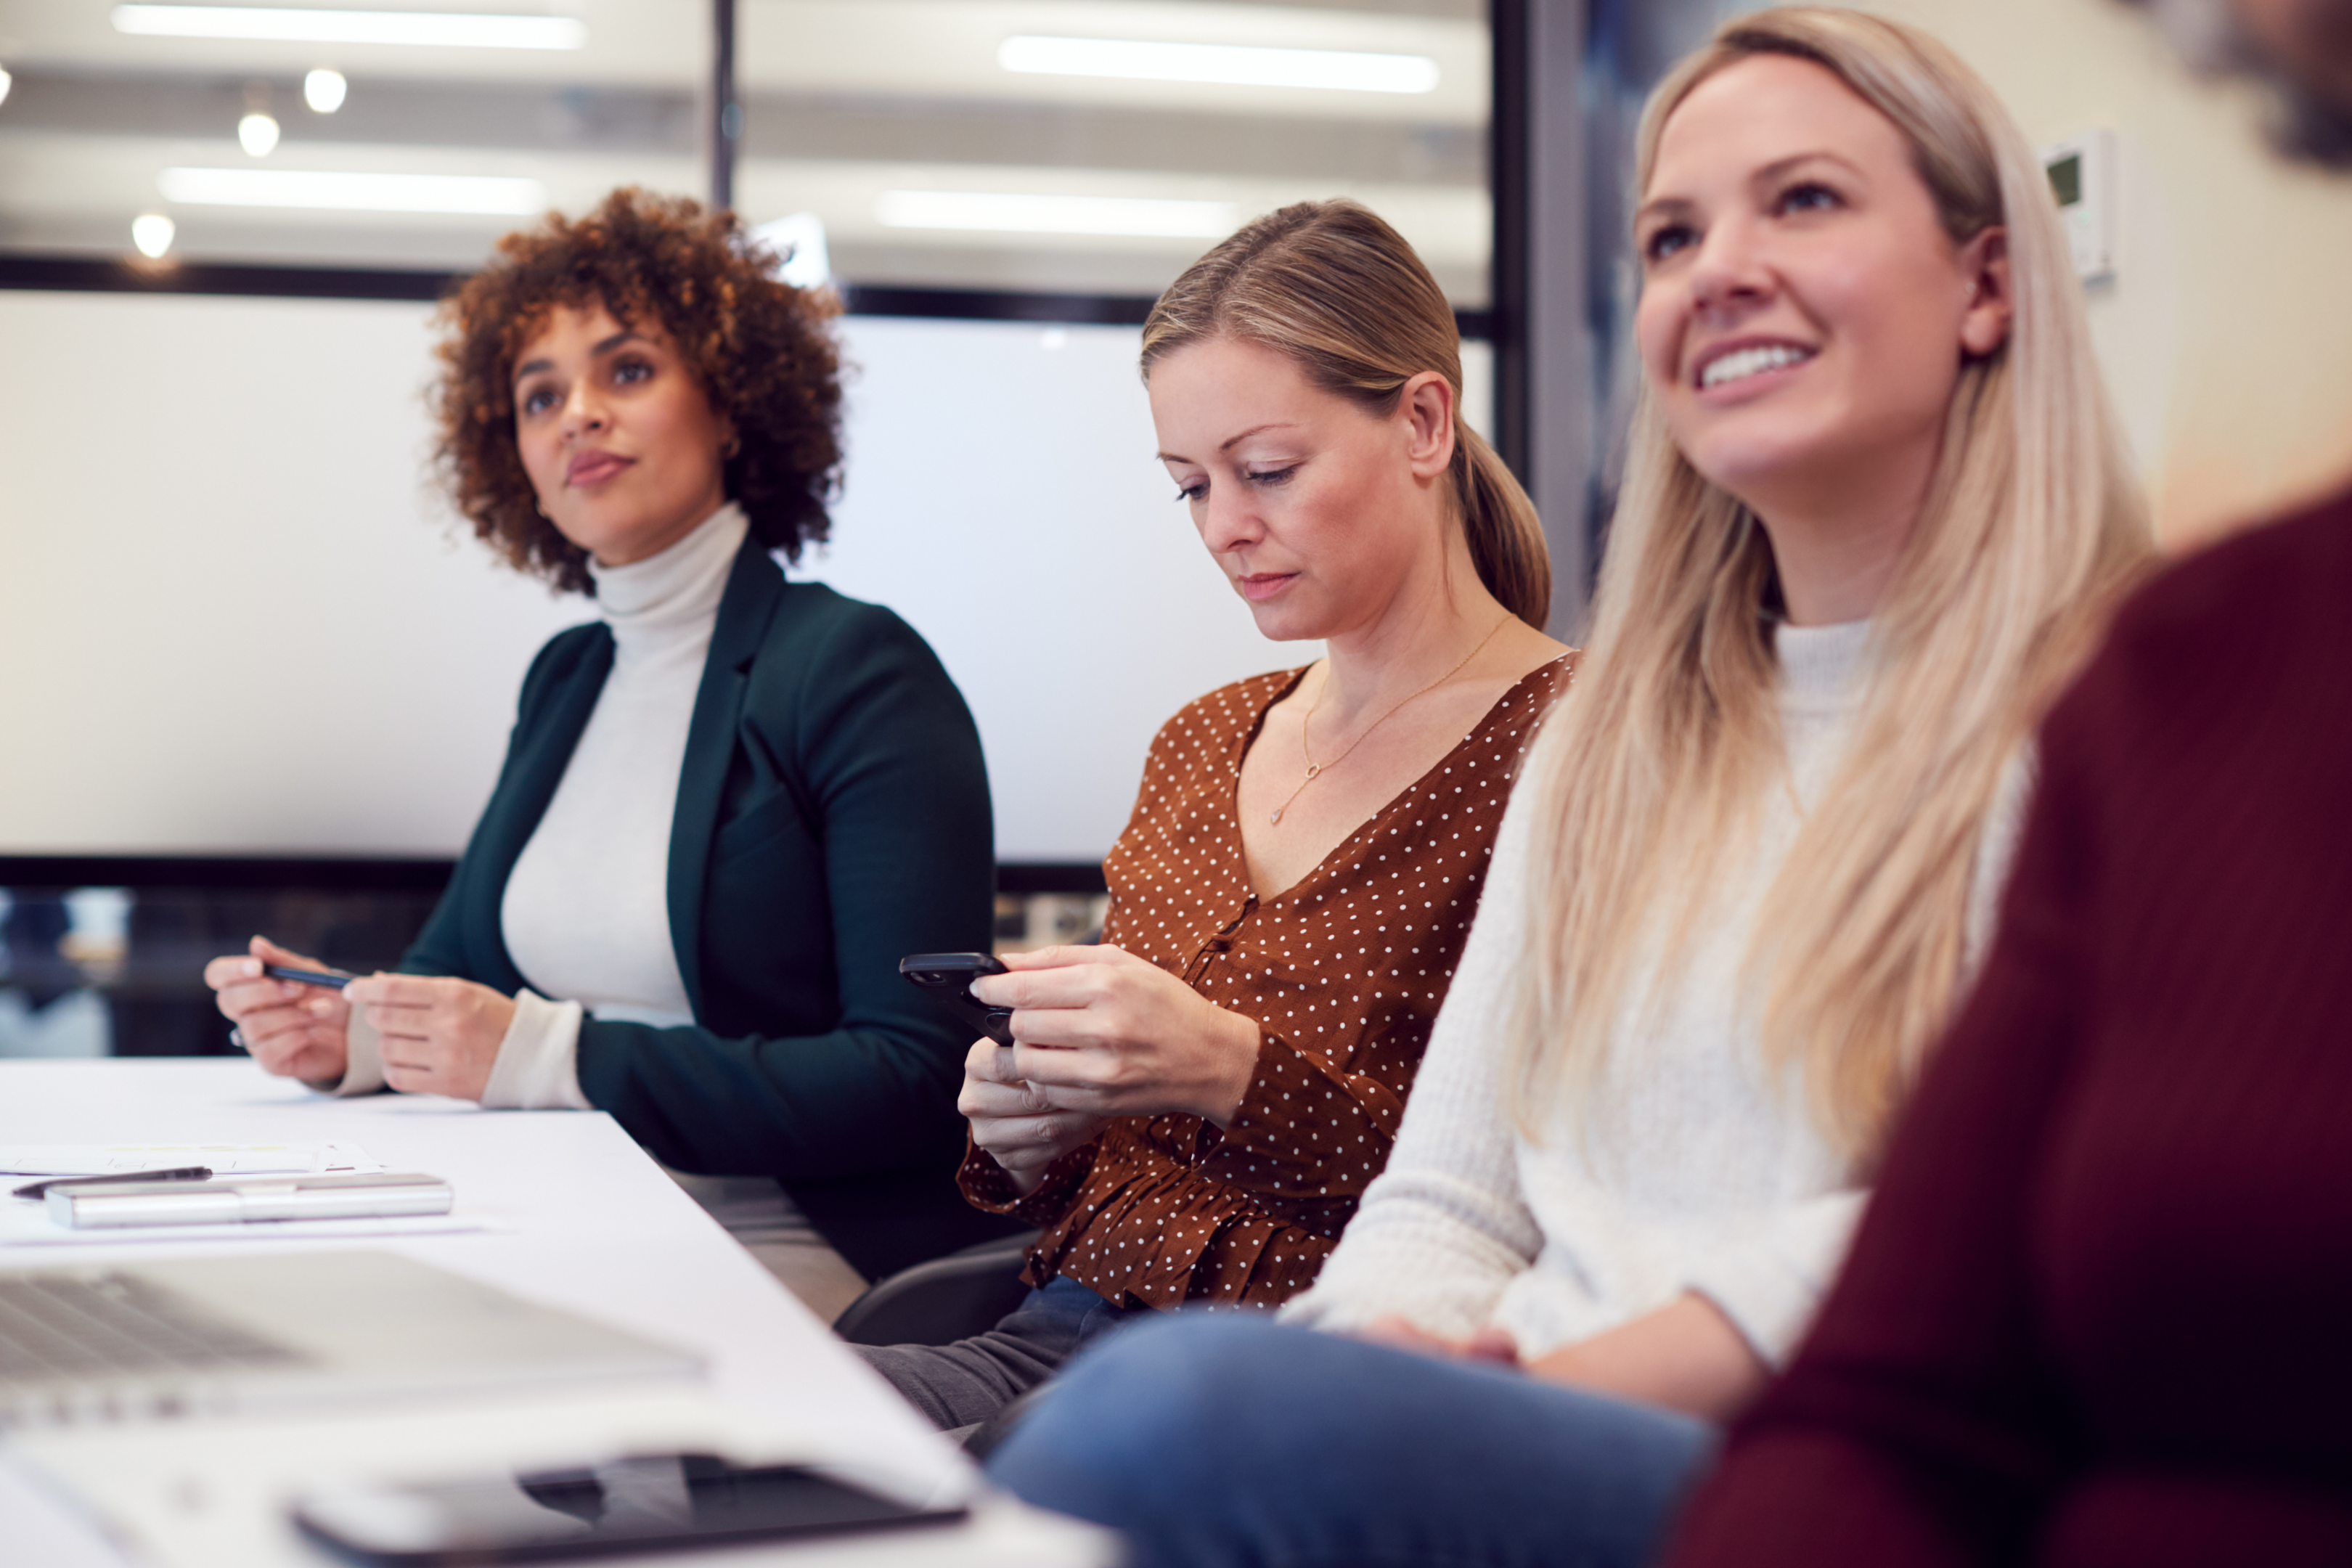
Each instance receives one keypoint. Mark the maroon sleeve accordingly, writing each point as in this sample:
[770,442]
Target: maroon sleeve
[1918,1422]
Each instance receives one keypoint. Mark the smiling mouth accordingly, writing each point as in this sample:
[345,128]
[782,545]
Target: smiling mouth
[1741,364]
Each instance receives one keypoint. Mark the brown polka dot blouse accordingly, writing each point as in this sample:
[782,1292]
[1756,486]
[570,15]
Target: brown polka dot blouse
[1343,974]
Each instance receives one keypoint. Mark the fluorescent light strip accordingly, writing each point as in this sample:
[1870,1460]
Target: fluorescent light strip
[449,28]
[353,193]
[1228,63]
[1055,215]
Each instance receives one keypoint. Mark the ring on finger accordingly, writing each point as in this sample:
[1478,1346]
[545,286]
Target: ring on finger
[237,1038]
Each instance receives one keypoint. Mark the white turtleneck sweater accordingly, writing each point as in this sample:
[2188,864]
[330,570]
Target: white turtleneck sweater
[1694,1171]
[586,911]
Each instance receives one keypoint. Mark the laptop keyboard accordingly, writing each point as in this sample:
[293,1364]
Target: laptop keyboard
[100,1325]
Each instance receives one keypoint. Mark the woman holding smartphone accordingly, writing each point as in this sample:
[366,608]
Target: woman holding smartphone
[1192,1108]
[730,804]
[1873,513]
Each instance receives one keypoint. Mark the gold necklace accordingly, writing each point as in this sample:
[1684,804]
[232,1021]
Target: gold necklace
[1315,772]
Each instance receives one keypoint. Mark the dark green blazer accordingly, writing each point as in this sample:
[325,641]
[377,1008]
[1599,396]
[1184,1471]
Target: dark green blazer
[832,818]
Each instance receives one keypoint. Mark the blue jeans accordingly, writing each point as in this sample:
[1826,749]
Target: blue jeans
[1231,1440]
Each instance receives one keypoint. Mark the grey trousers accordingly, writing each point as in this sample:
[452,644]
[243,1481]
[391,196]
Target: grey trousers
[963,1384]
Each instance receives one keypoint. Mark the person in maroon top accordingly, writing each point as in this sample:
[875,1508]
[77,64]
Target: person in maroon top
[2097,1313]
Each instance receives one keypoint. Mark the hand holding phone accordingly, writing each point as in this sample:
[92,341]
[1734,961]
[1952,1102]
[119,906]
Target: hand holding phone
[947,977]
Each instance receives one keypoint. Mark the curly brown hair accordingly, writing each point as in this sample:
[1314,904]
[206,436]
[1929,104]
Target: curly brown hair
[761,349]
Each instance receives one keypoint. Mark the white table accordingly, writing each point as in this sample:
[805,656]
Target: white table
[581,1219]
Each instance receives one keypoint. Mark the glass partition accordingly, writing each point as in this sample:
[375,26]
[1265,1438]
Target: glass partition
[400,133]
[1096,148]
[1076,146]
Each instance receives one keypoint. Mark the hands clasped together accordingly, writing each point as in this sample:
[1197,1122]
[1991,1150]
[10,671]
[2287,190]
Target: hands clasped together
[1685,1355]
[1100,1033]
[439,1034]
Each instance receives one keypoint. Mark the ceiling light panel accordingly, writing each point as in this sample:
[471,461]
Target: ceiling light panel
[638,43]
[79,194]
[1223,59]
[1170,216]
[945,49]
[1323,70]
[414,29]
[1018,212]
[339,191]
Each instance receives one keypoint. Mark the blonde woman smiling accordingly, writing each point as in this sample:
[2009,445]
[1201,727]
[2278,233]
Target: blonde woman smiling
[1873,512]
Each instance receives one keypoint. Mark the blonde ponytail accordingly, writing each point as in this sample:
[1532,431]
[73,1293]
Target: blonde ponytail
[1506,536]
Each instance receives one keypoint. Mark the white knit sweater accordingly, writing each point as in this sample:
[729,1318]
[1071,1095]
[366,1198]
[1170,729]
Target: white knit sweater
[1694,1172]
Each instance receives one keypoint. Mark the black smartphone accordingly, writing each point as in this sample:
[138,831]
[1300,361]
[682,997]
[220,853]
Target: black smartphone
[652,1504]
[946,978]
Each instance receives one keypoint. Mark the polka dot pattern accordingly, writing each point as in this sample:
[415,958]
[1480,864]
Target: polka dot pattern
[1343,973]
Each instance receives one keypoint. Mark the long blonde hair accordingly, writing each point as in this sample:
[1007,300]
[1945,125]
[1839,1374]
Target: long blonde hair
[2031,522]
[1341,293]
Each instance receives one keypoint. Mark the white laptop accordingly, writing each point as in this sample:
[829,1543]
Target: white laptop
[105,1341]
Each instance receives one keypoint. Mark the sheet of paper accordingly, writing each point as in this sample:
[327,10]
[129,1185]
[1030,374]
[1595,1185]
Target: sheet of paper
[225,1159]
[25,1224]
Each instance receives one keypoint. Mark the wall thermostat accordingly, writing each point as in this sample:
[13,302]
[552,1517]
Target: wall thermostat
[2082,171]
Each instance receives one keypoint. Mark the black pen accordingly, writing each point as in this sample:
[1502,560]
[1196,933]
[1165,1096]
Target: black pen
[308,976]
[178,1174]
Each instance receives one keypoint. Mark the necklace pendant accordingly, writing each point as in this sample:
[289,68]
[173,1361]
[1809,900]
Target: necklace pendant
[1275,816]
[1311,771]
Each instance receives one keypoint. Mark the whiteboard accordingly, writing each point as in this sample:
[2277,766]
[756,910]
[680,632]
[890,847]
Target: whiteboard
[1003,495]
[234,619]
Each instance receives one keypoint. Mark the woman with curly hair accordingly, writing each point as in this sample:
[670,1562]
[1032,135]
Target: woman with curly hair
[728,805]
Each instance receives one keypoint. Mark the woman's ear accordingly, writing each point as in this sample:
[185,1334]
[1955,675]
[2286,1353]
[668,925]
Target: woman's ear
[1992,302]
[1426,402]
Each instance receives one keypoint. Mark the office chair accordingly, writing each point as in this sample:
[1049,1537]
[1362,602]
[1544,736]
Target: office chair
[943,1301]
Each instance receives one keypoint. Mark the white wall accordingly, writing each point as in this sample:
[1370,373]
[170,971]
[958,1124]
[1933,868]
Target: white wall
[233,619]
[2223,334]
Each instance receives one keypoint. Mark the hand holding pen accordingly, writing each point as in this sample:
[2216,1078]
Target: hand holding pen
[330,979]
[295,1027]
